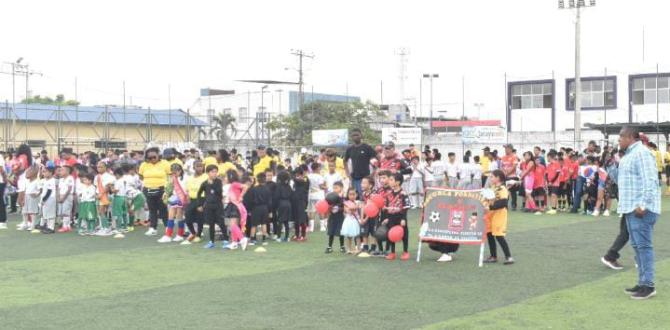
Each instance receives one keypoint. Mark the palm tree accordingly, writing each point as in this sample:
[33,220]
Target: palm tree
[221,124]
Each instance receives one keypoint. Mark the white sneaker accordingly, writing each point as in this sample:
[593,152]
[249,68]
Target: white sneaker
[3,225]
[151,232]
[244,243]
[22,226]
[606,213]
[114,232]
[119,235]
[103,232]
[178,238]
[445,258]
[165,239]
[595,213]
[185,242]
[233,246]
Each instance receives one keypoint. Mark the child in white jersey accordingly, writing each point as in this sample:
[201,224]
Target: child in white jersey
[65,197]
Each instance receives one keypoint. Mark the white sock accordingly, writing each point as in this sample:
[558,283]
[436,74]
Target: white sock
[66,222]
[51,223]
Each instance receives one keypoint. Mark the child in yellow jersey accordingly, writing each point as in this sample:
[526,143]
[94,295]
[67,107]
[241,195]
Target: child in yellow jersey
[497,219]
[193,215]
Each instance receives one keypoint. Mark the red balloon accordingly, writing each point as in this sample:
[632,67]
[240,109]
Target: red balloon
[378,200]
[396,233]
[322,207]
[371,210]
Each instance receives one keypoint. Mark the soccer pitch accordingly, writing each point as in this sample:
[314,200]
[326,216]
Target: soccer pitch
[67,281]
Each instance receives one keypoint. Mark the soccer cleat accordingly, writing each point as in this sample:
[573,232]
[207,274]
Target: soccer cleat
[63,230]
[165,239]
[177,239]
[151,232]
[404,256]
[252,243]
[611,264]
[491,260]
[3,225]
[46,230]
[508,261]
[342,249]
[197,239]
[606,213]
[119,235]
[209,245]
[185,242]
[551,212]
[538,213]
[633,290]
[244,242]
[390,256]
[645,292]
[329,250]
[232,246]
[595,213]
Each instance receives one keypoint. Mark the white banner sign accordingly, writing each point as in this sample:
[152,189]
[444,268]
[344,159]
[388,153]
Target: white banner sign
[402,136]
[330,137]
[483,134]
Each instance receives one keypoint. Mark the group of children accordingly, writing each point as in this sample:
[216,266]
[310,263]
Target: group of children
[102,204]
[567,181]
[104,201]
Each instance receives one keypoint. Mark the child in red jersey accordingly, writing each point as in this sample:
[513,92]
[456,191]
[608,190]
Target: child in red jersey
[539,188]
[553,174]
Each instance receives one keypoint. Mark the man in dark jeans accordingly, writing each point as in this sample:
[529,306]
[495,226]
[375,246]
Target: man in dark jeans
[610,259]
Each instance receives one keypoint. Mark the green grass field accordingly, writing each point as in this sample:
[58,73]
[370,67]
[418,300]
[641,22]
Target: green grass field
[66,281]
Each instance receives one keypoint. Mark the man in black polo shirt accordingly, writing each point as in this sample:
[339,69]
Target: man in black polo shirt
[360,154]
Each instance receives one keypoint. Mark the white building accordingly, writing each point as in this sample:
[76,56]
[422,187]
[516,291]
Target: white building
[548,104]
[252,108]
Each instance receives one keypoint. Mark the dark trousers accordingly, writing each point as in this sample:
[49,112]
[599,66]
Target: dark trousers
[156,207]
[619,242]
[13,199]
[514,191]
[3,207]
[444,248]
[578,191]
[213,214]
[193,216]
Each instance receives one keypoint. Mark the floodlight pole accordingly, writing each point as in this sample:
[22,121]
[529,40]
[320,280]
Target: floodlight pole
[577,6]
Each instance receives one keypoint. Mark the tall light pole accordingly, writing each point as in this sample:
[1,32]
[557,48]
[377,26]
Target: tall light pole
[430,76]
[261,118]
[577,6]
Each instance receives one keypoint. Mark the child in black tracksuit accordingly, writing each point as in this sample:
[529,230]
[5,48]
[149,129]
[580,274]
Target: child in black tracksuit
[260,201]
[272,186]
[299,201]
[282,200]
[397,204]
[210,199]
[336,218]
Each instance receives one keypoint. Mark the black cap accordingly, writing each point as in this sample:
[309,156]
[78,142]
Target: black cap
[260,147]
[487,149]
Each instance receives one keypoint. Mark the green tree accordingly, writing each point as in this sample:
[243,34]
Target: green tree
[296,128]
[60,100]
[221,125]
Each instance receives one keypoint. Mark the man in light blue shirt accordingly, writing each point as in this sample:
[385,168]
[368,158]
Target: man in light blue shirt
[640,203]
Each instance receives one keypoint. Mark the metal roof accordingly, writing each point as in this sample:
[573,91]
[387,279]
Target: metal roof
[96,114]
